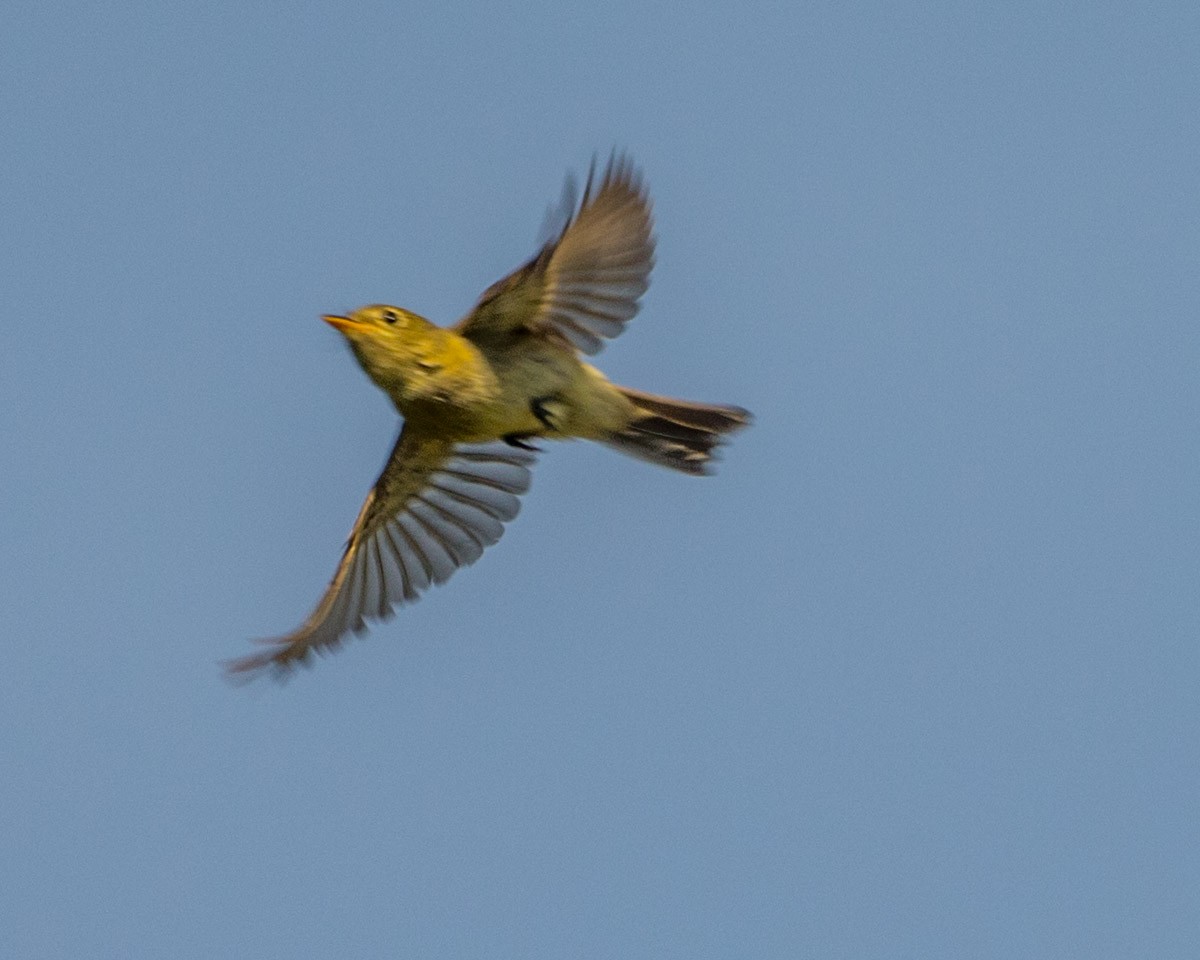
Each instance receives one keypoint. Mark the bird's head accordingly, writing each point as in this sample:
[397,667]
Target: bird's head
[385,339]
[381,323]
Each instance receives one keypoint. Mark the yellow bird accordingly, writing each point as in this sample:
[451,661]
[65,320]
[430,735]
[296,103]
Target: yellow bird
[475,395]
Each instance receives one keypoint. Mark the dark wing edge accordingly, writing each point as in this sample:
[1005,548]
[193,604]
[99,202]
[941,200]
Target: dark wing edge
[586,283]
[435,507]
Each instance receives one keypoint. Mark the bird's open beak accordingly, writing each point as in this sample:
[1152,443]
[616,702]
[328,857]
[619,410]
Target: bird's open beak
[344,324]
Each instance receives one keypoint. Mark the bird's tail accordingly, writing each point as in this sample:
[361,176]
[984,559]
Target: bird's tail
[676,433]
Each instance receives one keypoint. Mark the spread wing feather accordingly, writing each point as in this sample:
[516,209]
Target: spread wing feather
[585,284]
[435,508]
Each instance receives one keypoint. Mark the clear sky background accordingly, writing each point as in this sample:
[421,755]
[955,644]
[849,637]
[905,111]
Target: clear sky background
[915,675]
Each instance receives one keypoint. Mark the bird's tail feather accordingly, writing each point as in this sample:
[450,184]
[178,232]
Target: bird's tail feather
[676,433]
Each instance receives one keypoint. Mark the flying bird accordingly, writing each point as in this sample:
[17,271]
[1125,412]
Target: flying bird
[475,397]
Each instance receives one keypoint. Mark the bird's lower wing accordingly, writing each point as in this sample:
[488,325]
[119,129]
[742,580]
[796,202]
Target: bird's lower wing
[435,507]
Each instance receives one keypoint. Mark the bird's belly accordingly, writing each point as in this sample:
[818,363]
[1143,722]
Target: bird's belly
[511,415]
[523,380]
[488,408]
[549,399]
[541,392]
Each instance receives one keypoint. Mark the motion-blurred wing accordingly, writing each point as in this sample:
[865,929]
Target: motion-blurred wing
[585,283]
[435,507]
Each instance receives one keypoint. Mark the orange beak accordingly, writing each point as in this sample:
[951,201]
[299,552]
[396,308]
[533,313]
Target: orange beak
[343,324]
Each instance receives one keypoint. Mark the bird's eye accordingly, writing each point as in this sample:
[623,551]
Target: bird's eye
[390,316]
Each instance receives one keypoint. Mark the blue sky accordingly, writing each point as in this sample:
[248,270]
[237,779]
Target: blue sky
[914,676]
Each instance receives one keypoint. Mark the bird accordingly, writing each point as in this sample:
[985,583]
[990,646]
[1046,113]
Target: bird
[476,397]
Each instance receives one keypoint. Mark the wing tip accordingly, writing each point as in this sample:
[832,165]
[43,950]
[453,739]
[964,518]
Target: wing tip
[241,671]
[621,172]
[280,661]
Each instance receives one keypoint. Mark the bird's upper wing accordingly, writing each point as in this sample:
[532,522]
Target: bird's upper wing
[585,283]
[435,507]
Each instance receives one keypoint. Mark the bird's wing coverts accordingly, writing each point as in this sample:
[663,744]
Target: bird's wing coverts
[435,507]
[585,284]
